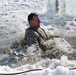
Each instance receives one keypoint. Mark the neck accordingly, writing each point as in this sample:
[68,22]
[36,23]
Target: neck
[34,28]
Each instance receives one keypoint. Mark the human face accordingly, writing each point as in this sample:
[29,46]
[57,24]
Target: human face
[35,22]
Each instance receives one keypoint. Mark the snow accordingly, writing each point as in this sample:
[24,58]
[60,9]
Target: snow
[13,24]
[49,67]
[69,6]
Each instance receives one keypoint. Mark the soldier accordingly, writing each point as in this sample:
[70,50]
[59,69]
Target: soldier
[35,34]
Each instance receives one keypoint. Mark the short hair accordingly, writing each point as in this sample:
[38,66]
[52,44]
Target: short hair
[30,16]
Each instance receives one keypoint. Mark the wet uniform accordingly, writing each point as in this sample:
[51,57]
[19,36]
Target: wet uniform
[36,36]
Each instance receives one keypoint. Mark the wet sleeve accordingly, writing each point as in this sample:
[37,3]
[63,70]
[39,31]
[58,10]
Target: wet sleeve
[31,38]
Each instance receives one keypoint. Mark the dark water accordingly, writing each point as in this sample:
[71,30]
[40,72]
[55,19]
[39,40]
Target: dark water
[71,40]
[72,55]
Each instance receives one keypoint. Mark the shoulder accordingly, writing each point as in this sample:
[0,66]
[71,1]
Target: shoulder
[31,33]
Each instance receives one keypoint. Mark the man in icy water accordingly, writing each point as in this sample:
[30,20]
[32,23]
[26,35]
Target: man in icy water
[35,35]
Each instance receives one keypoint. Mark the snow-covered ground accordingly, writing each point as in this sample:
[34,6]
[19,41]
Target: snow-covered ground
[13,23]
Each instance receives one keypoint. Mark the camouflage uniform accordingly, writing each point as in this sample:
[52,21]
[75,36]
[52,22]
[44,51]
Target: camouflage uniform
[37,37]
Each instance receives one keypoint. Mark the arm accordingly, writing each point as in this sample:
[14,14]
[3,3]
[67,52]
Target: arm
[30,37]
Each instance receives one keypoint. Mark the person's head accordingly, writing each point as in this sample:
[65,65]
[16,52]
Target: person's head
[33,20]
